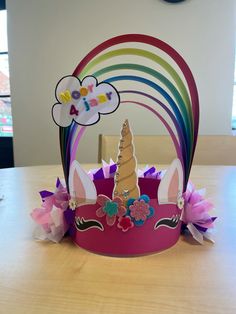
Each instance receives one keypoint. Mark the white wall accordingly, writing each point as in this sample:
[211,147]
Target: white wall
[47,39]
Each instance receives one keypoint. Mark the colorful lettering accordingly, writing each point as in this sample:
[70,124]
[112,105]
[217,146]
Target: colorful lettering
[65,97]
[74,111]
[86,104]
[102,98]
[93,102]
[75,94]
[90,88]
[83,91]
[109,95]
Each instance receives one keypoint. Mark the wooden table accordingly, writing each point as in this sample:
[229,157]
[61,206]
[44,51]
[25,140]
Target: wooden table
[41,277]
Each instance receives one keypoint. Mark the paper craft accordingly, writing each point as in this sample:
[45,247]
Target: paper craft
[117,209]
[83,102]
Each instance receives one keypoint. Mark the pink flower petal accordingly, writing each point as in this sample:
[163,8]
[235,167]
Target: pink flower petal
[121,211]
[132,214]
[118,200]
[110,220]
[195,198]
[102,199]
[41,216]
[196,209]
[100,212]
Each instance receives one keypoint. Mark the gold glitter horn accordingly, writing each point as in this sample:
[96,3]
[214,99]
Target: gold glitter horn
[126,179]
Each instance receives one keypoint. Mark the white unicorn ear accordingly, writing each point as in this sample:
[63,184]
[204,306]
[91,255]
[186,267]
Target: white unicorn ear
[81,186]
[171,185]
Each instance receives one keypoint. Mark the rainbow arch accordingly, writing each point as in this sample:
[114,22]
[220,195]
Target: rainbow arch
[180,96]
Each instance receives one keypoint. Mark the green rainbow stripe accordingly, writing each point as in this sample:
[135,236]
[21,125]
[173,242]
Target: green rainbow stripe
[149,55]
[161,78]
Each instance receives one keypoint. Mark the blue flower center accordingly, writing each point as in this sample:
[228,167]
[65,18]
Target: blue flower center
[111,208]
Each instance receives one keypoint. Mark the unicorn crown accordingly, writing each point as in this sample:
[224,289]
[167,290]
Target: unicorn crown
[118,209]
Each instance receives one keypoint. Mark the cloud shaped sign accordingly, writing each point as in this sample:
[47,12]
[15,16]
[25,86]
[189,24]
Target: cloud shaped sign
[83,102]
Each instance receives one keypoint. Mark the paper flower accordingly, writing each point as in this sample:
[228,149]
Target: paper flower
[180,202]
[50,217]
[73,204]
[125,223]
[110,208]
[140,210]
[195,214]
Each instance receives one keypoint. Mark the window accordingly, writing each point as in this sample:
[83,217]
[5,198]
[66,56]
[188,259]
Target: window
[6,133]
[6,129]
[234,101]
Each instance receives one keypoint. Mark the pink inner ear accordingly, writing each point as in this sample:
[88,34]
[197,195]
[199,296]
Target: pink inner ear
[173,187]
[78,187]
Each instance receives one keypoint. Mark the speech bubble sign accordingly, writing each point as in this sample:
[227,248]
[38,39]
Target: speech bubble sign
[83,101]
